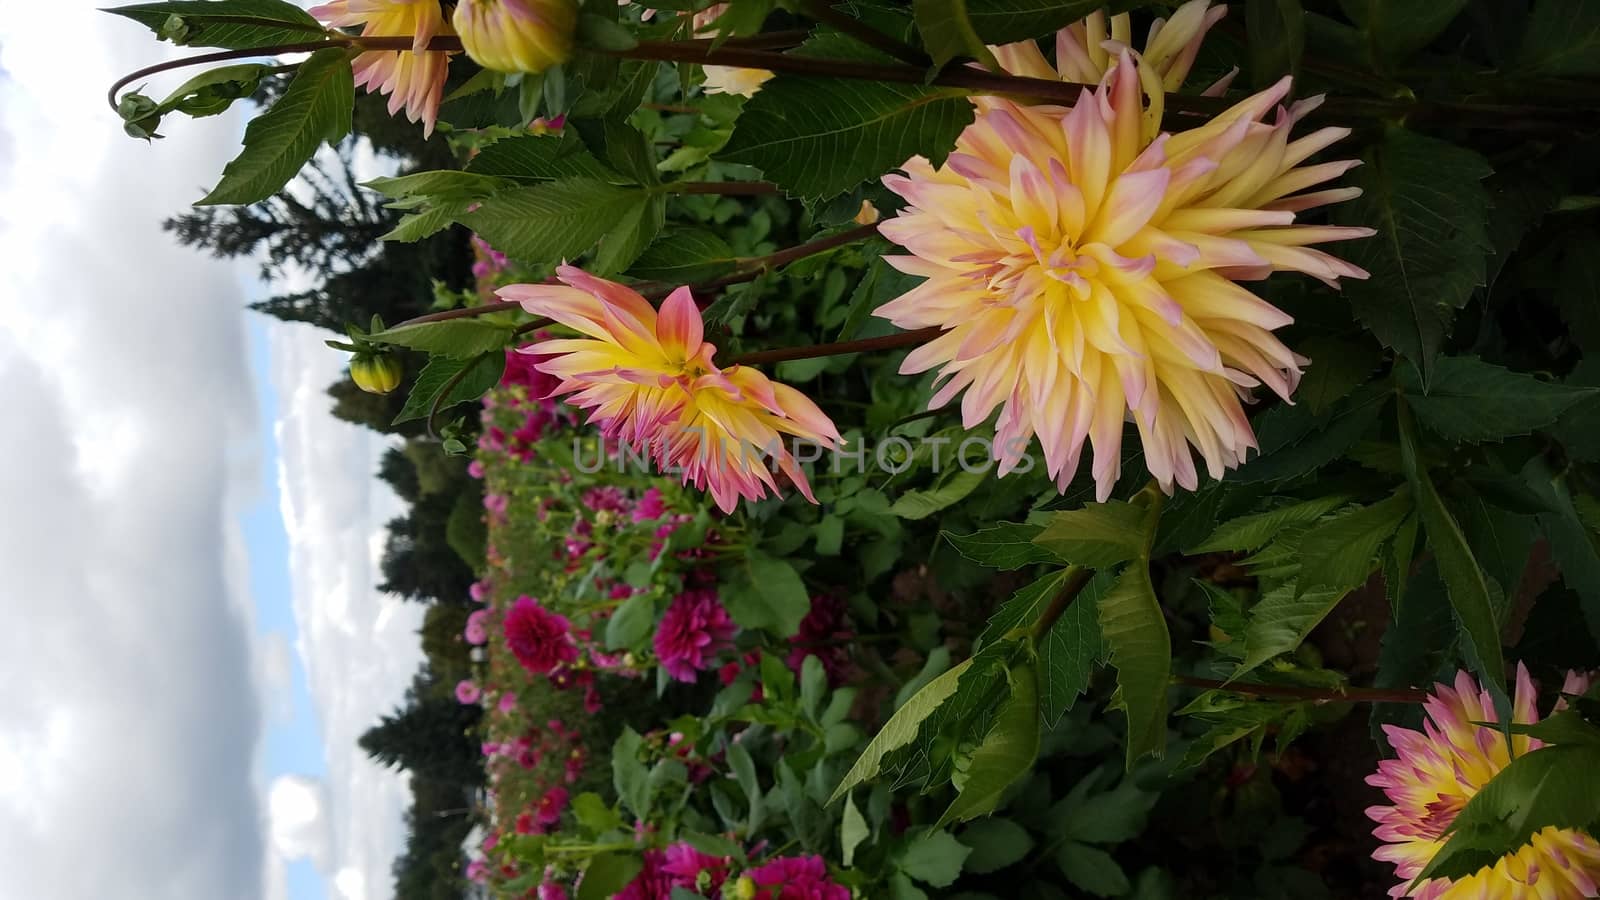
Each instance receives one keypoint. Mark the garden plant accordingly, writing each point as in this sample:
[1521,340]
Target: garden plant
[995,448]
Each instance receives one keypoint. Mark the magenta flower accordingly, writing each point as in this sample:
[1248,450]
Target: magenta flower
[552,891]
[824,633]
[684,866]
[508,702]
[521,368]
[467,691]
[477,630]
[541,640]
[650,507]
[496,504]
[652,883]
[550,807]
[795,878]
[695,629]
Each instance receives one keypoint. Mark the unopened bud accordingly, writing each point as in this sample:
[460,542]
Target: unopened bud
[745,889]
[517,35]
[376,373]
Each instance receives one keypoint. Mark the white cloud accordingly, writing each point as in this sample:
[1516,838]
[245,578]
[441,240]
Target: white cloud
[297,808]
[129,710]
[359,647]
[131,680]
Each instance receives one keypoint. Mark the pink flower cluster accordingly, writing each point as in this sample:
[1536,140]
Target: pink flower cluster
[682,866]
[490,262]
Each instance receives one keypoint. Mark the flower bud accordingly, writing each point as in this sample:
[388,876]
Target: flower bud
[517,35]
[744,889]
[375,373]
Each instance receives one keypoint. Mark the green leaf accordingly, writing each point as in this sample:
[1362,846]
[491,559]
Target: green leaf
[685,255]
[1469,593]
[1337,368]
[447,184]
[935,859]
[1007,546]
[922,504]
[1253,531]
[553,221]
[1110,817]
[1471,400]
[594,814]
[1277,37]
[1008,21]
[607,874]
[996,844]
[1092,869]
[900,730]
[744,772]
[434,383]
[630,624]
[1098,536]
[229,24]
[1005,756]
[1562,38]
[1022,608]
[315,108]
[1341,553]
[1397,28]
[629,777]
[852,831]
[541,157]
[948,34]
[1550,787]
[457,338]
[1070,651]
[629,235]
[765,592]
[414,227]
[1419,639]
[1281,619]
[1295,441]
[1135,631]
[1571,544]
[817,137]
[1427,201]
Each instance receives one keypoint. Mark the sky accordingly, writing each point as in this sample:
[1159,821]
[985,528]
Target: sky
[189,541]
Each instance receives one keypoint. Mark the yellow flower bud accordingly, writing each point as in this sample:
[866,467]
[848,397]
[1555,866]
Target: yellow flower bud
[517,35]
[376,373]
[745,889]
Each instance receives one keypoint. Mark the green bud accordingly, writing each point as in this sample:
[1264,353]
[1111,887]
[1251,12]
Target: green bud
[376,373]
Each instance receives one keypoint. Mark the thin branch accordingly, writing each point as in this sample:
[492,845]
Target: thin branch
[865,345]
[463,313]
[1077,578]
[534,325]
[222,56]
[1321,695]
[823,11]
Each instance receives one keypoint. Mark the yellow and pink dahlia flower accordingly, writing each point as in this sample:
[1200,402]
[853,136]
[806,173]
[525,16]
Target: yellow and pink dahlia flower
[1086,51]
[1084,273]
[726,79]
[517,35]
[413,79]
[1439,769]
[650,380]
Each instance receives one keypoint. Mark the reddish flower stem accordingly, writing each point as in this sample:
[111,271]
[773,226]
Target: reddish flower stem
[865,345]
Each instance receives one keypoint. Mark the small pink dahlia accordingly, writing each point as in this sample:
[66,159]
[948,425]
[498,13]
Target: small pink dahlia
[795,878]
[1439,769]
[541,640]
[695,629]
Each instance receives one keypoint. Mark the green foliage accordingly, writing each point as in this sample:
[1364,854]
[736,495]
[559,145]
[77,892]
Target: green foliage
[229,24]
[1135,633]
[315,108]
[819,137]
[1426,199]
[1470,400]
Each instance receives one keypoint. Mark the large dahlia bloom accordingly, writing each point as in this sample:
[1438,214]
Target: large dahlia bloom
[540,639]
[1084,274]
[517,35]
[1439,769]
[413,79]
[650,381]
